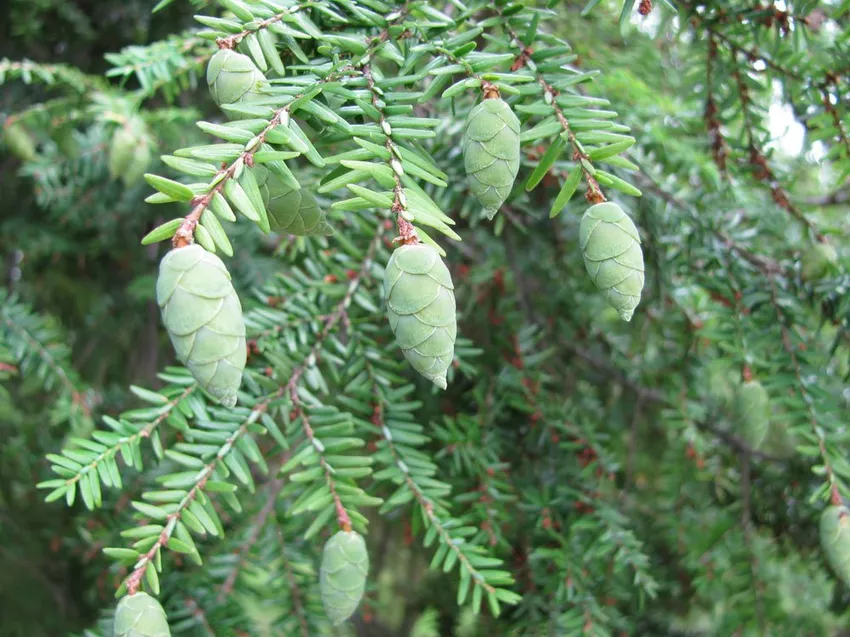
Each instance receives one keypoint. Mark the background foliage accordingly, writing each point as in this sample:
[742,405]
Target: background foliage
[597,461]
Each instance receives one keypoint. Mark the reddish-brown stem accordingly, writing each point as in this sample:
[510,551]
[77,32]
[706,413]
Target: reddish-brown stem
[232,40]
[762,169]
[719,150]
[426,505]
[406,232]
[843,136]
[185,233]
[342,517]
[594,193]
[133,581]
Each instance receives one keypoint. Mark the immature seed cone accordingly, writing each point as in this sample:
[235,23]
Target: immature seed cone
[129,153]
[233,77]
[491,153]
[610,244]
[342,577]
[19,142]
[835,540]
[817,261]
[203,316]
[421,308]
[140,615]
[294,211]
[752,412]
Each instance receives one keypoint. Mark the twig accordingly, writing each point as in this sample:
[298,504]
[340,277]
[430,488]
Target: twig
[719,150]
[185,233]
[763,171]
[342,517]
[406,231]
[594,193]
[763,263]
[425,504]
[274,488]
[232,40]
[144,432]
[78,396]
[291,387]
[134,579]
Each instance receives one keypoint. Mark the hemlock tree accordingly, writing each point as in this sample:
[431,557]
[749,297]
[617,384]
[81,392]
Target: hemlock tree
[585,230]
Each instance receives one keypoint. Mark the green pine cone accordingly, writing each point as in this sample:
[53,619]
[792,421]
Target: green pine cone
[421,307]
[835,540]
[129,153]
[752,412]
[817,261]
[610,244]
[140,615]
[233,77]
[491,153]
[342,577]
[203,316]
[19,142]
[293,211]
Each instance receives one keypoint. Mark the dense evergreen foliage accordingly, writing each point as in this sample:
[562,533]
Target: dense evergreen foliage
[538,299]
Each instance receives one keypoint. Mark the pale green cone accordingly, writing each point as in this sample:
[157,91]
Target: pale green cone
[752,412]
[19,142]
[817,261]
[835,540]
[140,615]
[129,153]
[610,245]
[233,77]
[491,153]
[293,211]
[342,577]
[421,307]
[203,316]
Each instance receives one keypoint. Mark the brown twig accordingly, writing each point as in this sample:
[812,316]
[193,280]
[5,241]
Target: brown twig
[758,160]
[843,135]
[406,232]
[767,265]
[232,40]
[134,579]
[185,233]
[594,193]
[719,150]
[424,503]
[291,387]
